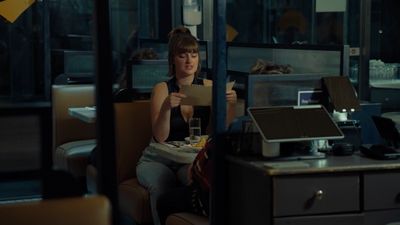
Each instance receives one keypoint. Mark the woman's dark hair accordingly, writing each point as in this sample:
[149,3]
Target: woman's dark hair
[181,41]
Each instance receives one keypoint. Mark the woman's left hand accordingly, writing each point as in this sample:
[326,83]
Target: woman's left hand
[231,97]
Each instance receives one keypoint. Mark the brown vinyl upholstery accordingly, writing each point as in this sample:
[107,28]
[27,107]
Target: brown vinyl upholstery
[133,134]
[73,139]
[94,210]
[186,219]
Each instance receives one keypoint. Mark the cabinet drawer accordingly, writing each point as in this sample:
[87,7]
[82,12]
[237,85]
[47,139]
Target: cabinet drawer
[339,219]
[386,217]
[316,194]
[381,190]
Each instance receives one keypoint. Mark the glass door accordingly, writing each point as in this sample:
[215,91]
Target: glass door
[384,61]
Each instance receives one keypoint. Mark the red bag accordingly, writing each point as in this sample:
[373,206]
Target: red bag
[202,167]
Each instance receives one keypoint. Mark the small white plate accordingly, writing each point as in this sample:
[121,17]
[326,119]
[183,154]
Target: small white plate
[187,140]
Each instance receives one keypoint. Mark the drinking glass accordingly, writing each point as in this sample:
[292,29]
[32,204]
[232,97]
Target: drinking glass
[194,130]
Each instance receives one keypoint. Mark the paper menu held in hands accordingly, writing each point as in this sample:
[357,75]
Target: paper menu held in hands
[200,94]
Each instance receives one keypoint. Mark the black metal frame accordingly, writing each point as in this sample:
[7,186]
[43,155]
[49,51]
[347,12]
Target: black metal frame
[218,182]
[364,91]
[106,158]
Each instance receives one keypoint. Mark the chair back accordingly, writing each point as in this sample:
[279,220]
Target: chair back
[133,134]
[94,210]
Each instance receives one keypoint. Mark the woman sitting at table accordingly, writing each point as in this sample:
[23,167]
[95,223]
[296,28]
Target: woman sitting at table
[170,119]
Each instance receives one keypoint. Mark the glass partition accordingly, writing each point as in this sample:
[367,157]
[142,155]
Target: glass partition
[301,58]
[23,51]
[280,89]
[160,46]
[144,74]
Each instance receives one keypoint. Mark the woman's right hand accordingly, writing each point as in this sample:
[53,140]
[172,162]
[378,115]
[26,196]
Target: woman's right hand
[174,99]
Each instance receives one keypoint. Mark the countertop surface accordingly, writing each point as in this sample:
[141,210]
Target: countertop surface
[353,163]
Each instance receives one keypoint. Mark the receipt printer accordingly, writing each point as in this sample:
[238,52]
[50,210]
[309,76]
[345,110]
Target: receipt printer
[352,133]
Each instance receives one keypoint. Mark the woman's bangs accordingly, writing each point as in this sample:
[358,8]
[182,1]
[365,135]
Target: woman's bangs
[187,47]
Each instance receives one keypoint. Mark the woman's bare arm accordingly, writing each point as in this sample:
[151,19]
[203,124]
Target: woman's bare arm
[161,105]
[231,99]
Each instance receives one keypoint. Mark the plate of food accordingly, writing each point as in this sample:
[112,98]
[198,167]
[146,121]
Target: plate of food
[199,144]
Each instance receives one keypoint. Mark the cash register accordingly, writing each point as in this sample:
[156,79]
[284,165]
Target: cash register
[293,124]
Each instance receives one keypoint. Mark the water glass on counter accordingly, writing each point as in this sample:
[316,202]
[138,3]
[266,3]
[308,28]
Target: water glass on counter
[194,130]
[379,70]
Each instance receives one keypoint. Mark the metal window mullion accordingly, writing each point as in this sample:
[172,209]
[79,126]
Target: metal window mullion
[105,157]
[219,113]
[365,49]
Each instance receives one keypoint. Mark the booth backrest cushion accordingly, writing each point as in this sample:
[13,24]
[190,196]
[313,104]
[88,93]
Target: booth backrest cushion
[186,219]
[133,134]
[95,210]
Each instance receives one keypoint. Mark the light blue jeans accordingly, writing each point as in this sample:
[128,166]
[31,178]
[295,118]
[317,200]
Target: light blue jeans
[159,175]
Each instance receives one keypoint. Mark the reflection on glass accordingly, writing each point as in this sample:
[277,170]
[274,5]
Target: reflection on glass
[289,22]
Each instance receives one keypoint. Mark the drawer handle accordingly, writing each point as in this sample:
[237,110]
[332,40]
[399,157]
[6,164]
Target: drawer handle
[319,194]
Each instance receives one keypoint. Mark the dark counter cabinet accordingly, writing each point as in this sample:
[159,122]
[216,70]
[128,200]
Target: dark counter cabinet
[347,190]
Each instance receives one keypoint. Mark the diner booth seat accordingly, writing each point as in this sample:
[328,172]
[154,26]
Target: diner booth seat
[133,134]
[186,219]
[73,139]
[94,210]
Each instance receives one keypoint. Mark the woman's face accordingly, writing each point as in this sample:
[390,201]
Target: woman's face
[186,63]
